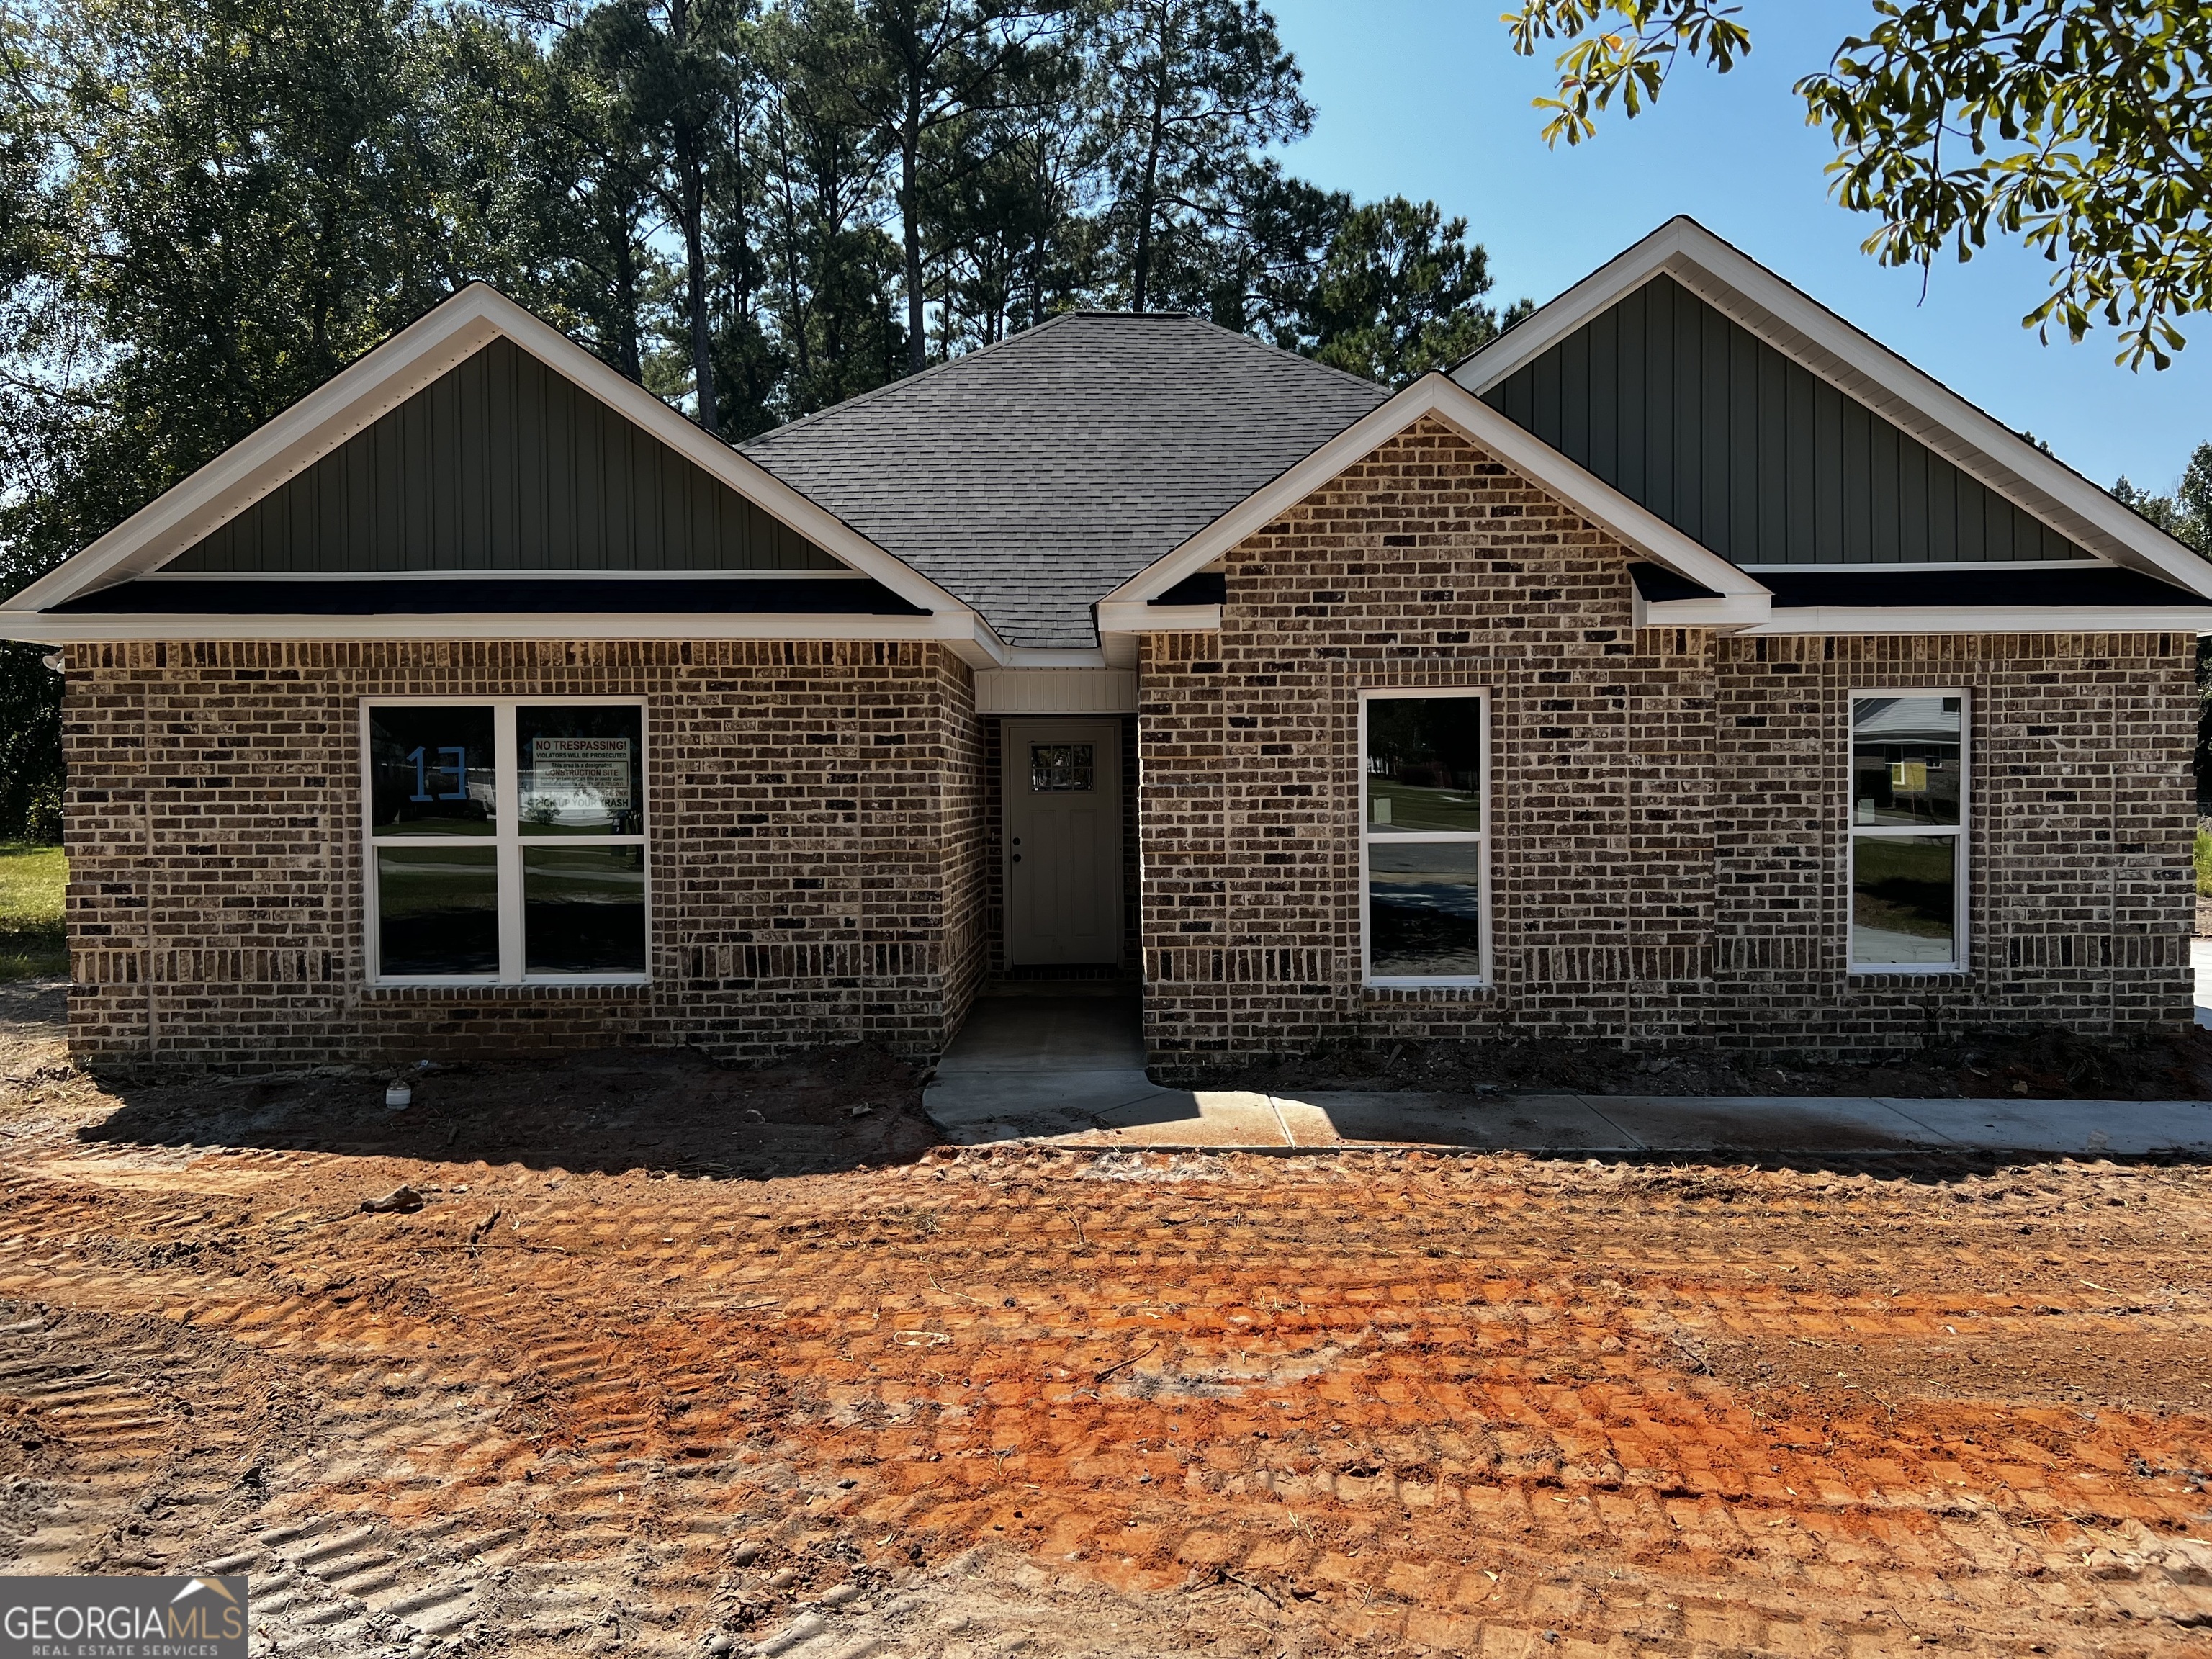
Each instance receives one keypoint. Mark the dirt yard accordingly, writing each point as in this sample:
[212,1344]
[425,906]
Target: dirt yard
[617,1386]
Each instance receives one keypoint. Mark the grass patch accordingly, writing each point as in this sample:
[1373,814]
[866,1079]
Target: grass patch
[2204,863]
[33,942]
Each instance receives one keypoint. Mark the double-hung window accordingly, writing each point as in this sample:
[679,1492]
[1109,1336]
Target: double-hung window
[1422,838]
[506,841]
[1908,829]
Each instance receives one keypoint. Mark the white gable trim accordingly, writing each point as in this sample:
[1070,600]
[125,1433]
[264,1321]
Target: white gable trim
[1802,329]
[963,634]
[1982,619]
[506,572]
[357,396]
[1743,598]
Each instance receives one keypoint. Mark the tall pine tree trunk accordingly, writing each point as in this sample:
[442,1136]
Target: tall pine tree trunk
[1148,202]
[691,213]
[694,186]
[740,254]
[627,357]
[917,348]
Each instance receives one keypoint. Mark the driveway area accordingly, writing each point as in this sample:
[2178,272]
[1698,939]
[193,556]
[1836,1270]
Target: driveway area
[936,1400]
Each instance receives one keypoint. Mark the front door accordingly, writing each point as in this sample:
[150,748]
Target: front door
[1063,794]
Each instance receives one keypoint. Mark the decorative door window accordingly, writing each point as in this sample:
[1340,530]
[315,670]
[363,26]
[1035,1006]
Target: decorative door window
[1060,768]
[1424,841]
[1908,829]
[506,841]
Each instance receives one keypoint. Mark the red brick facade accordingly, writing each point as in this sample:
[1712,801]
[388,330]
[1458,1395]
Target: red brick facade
[814,810]
[1668,853]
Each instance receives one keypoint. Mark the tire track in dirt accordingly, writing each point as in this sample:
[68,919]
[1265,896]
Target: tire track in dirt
[1430,1404]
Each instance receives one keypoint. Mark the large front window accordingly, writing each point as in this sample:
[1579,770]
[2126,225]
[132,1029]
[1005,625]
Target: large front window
[1908,812]
[1423,836]
[506,841]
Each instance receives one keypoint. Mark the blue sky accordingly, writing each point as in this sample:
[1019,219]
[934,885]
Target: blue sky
[1425,98]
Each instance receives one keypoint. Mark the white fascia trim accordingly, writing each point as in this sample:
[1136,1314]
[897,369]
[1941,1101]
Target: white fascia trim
[357,396]
[1134,617]
[1898,567]
[1802,329]
[1738,613]
[534,573]
[1986,619]
[1598,502]
[1056,656]
[964,633]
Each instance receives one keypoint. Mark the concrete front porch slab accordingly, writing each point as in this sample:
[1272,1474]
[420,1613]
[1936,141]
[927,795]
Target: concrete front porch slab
[1037,1035]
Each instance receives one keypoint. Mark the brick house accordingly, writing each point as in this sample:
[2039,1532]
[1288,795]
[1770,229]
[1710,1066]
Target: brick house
[1684,668]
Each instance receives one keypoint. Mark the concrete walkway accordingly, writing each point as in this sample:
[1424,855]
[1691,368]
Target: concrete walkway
[1069,1071]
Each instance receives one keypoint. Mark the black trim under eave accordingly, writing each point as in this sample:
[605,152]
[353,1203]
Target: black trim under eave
[1888,587]
[389,596]
[1654,582]
[1206,587]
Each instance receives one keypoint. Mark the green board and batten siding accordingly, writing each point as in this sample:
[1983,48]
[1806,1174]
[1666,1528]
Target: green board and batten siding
[503,464]
[1690,414]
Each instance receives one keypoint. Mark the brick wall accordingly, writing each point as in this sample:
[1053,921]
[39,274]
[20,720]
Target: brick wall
[814,815]
[1667,805]
[2083,892]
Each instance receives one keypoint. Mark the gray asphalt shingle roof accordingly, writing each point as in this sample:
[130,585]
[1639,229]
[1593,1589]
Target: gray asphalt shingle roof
[1034,476]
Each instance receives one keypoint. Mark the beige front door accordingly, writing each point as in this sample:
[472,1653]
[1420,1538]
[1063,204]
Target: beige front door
[1063,841]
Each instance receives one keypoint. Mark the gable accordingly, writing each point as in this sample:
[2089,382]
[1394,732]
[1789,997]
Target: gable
[1172,593]
[1692,416]
[500,464]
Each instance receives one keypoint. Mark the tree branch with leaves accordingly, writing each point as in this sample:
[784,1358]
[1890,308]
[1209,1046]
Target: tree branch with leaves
[2080,128]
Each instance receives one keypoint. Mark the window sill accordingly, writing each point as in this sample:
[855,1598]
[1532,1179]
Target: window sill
[1909,970]
[1399,988]
[548,990]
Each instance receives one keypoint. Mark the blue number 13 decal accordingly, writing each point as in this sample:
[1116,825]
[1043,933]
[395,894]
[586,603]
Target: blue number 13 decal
[459,766]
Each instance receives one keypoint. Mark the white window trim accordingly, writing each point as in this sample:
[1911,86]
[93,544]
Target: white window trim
[1962,884]
[1399,982]
[507,838]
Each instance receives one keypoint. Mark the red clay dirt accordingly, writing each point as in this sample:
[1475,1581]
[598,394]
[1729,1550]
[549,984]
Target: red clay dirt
[1086,1404]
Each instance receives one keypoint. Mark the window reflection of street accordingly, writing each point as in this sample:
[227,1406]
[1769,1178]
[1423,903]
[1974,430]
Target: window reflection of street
[1908,773]
[1422,827]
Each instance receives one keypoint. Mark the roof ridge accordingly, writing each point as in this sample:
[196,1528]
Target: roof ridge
[874,394]
[1272,349]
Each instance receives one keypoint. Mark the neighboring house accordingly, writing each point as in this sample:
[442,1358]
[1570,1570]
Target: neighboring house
[1684,668]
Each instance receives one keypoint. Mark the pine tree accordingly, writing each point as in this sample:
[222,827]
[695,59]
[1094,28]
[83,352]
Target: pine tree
[1190,91]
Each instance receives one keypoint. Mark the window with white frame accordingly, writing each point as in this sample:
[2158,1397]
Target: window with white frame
[505,840]
[1422,838]
[1908,812]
